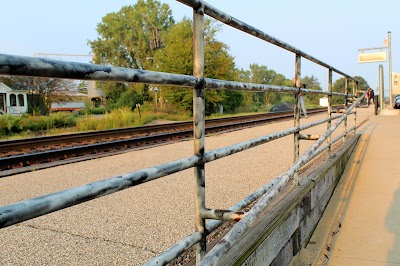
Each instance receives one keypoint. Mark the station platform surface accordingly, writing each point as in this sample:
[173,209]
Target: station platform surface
[361,225]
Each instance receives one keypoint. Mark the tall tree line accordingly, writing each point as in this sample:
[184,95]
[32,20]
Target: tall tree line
[146,36]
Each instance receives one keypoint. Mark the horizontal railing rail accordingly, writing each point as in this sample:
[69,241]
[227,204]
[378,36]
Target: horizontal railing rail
[14,65]
[48,68]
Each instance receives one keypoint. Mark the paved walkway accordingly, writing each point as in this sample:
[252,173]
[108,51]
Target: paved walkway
[362,223]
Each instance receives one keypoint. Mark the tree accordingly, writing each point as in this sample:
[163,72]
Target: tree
[177,57]
[339,85]
[129,38]
[312,83]
[260,74]
[42,90]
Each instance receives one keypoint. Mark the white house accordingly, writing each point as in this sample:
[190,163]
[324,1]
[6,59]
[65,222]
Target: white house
[13,101]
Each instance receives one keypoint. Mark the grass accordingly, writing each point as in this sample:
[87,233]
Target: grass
[14,127]
[123,117]
[26,126]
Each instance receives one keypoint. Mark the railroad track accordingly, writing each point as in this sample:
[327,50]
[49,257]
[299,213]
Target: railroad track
[31,154]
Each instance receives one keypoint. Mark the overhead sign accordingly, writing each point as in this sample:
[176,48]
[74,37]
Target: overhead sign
[371,57]
[395,83]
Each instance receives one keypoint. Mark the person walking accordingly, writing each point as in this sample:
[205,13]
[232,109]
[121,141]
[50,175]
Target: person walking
[370,97]
[303,103]
[298,84]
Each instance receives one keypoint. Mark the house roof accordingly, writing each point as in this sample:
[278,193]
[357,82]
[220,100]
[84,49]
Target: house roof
[5,88]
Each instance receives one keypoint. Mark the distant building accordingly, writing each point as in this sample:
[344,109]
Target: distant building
[395,83]
[67,106]
[97,96]
[68,101]
[13,101]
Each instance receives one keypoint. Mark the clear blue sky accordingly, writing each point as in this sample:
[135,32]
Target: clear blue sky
[331,31]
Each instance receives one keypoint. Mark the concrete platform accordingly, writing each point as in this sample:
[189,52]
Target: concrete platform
[361,225]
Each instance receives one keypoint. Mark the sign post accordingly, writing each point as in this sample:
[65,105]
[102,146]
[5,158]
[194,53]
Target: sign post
[379,57]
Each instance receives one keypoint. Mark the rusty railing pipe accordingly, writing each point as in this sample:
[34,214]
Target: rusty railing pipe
[199,129]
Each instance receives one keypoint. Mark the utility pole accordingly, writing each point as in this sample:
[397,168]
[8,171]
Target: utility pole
[390,67]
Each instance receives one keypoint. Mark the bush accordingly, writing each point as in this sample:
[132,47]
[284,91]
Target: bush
[93,111]
[287,98]
[11,125]
[117,118]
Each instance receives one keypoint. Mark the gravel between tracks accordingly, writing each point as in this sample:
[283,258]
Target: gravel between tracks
[132,226]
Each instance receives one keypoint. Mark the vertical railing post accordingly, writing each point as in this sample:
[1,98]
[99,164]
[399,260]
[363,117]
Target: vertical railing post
[199,127]
[390,67]
[355,111]
[381,89]
[346,102]
[296,115]
[329,111]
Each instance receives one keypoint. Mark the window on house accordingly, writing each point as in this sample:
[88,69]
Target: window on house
[13,100]
[21,100]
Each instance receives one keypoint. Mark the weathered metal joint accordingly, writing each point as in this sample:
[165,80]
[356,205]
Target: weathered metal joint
[309,137]
[340,111]
[199,9]
[223,215]
[201,83]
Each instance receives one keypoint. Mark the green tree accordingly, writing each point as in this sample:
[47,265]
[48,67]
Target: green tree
[262,75]
[312,83]
[129,38]
[339,84]
[177,57]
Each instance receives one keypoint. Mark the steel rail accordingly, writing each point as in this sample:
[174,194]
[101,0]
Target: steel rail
[17,164]
[6,145]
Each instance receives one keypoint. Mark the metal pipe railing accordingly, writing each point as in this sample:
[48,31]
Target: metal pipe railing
[15,65]
[215,254]
[38,67]
[28,209]
[199,131]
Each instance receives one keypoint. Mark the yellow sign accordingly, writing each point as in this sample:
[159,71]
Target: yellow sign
[395,83]
[371,57]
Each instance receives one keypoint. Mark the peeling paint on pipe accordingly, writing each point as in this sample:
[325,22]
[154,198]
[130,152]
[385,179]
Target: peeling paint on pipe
[40,67]
[28,209]
[224,215]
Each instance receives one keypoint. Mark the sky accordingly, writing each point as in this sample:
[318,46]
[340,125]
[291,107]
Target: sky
[331,31]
